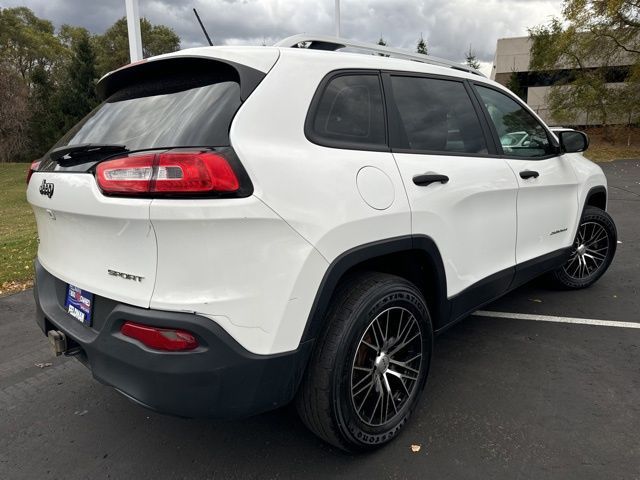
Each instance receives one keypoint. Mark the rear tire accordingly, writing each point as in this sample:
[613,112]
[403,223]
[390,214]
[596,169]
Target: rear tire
[370,365]
[591,253]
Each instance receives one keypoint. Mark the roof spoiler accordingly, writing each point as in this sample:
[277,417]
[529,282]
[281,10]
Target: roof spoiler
[133,72]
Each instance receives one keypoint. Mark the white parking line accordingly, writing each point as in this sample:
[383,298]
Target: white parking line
[551,318]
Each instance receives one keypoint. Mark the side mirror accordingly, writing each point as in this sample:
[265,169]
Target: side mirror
[572,141]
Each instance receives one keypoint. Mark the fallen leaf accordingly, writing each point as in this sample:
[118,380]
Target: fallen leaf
[416,448]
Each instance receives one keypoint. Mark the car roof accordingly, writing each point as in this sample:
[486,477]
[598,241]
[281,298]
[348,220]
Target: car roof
[262,58]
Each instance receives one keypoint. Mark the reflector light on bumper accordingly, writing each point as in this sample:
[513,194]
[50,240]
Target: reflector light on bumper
[166,339]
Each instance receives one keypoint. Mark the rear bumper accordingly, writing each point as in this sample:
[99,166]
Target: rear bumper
[219,379]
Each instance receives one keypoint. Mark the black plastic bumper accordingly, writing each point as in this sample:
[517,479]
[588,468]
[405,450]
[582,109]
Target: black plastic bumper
[219,379]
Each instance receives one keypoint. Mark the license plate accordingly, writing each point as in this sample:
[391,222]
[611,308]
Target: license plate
[78,304]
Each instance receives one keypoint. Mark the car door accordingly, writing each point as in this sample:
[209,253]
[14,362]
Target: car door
[548,187]
[470,213]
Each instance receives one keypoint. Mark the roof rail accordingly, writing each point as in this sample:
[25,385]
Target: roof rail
[326,42]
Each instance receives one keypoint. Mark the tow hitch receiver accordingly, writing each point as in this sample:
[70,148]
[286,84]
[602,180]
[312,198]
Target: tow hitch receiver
[58,341]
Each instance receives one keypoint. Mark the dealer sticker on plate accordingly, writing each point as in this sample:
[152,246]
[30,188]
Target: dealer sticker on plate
[78,304]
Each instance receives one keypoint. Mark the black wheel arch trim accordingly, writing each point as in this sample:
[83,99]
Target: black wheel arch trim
[356,256]
[444,310]
[594,191]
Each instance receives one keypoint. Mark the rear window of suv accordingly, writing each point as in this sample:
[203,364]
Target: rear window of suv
[349,113]
[179,109]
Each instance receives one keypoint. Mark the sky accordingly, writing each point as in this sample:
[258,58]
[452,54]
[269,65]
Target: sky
[448,26]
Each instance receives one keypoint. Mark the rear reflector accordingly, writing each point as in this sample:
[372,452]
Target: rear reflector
[34,166]
[160,338]
[168,173]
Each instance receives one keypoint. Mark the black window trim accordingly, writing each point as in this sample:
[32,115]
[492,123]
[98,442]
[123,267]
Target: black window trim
[494,132]
[395,122]
[322,141]
[392,119]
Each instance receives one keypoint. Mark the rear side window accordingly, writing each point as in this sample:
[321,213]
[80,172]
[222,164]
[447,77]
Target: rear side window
[177,109]
[521,135]
[349,113]
[437,116]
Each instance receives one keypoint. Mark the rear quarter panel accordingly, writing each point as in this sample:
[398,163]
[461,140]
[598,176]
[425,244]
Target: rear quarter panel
[312,187]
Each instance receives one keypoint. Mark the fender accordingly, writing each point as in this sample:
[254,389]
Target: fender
[440,307]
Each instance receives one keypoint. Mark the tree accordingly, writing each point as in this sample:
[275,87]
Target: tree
[471,59]
[78,95]
[112,48]
[586,99]
[44,122]
[14,114]
[421,47]
[515,85]
[70,35]
[591,38]
[48,78]
[27,41]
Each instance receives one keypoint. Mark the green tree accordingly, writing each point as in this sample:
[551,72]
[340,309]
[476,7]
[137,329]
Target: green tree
[591,37]
[471,59]
[421,47]
[44,122]
[77,97]
[587,99]
[69,35]
[112,48]
[27,41]
[515,85]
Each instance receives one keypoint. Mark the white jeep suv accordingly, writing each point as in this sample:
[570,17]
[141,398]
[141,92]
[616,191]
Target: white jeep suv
[234,228]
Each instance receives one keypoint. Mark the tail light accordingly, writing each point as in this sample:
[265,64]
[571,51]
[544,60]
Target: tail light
[166,339]
[172,173]
[34,167]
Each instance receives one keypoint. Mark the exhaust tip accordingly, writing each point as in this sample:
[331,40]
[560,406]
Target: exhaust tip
[58,342]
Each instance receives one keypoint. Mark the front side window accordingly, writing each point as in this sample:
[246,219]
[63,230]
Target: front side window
[350,112]
[521,135]
[437,116]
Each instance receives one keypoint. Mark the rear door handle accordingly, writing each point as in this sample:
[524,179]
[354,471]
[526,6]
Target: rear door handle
[526,174]
[429,178]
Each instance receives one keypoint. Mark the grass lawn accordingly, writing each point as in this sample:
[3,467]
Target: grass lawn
[618,142]
[18,241]
[608,153]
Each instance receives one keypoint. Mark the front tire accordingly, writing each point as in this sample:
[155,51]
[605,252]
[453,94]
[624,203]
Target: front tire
[591,253]
[370,365]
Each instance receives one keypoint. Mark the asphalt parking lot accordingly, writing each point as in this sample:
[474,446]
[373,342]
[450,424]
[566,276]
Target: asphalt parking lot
[506,398]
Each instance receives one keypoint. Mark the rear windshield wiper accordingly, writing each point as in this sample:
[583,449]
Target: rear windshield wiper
[59,154]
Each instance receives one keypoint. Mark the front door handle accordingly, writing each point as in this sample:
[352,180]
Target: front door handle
[429,178]
[526,174]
